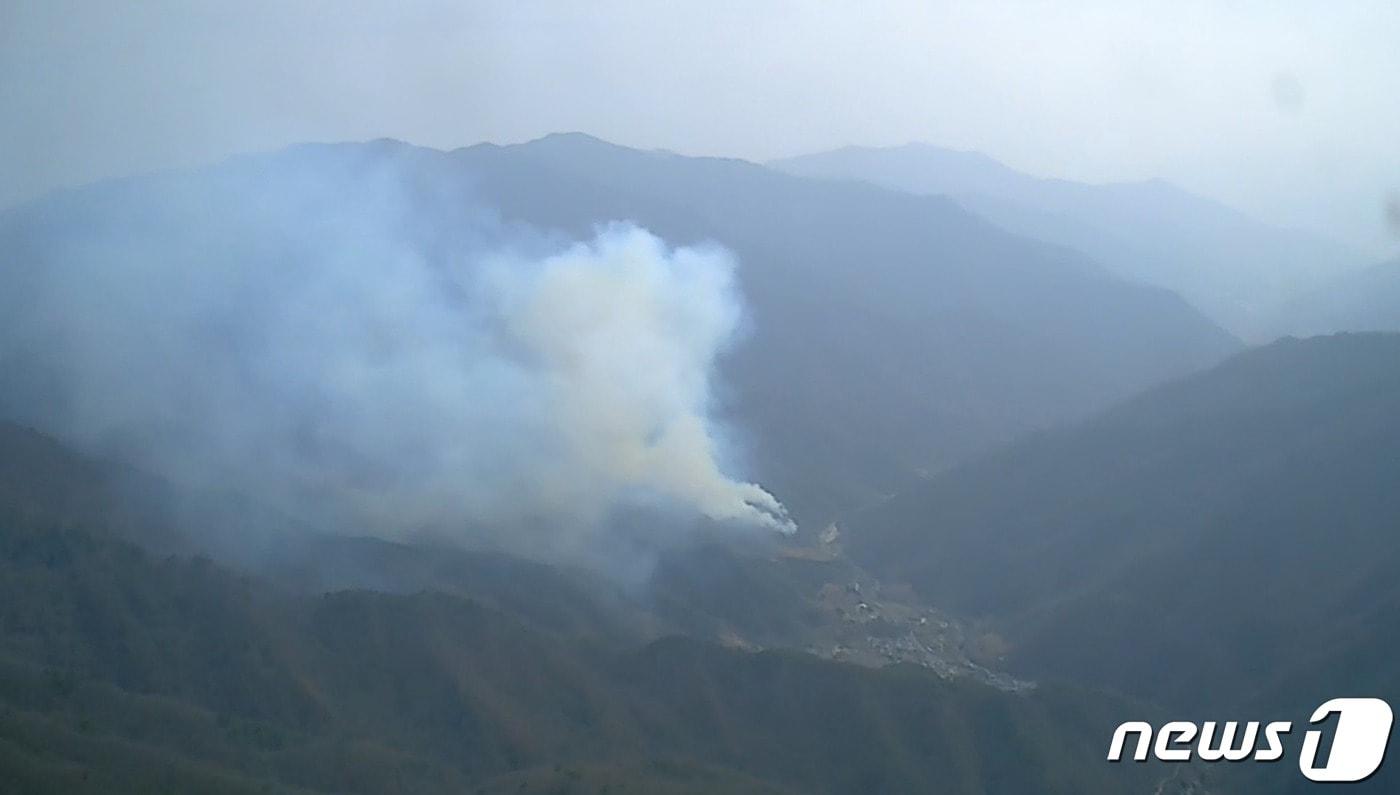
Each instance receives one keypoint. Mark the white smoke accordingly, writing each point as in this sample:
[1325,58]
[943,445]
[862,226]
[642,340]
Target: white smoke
[365,350]
[622,335]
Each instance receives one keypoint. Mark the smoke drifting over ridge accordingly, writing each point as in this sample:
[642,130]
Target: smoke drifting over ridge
[363,345]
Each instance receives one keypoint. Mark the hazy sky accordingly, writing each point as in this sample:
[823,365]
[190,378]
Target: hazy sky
[1287,110]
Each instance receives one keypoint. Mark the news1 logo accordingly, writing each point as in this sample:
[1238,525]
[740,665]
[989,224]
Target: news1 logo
[1357,749]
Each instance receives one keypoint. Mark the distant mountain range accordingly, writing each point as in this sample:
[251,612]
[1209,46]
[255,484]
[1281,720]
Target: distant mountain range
[890,333]
[1237,270]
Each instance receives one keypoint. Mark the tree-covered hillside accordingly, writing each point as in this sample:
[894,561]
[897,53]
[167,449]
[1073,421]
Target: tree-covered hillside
[1229,539]
[124,671]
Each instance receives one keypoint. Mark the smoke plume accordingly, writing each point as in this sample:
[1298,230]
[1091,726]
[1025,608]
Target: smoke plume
[367,346]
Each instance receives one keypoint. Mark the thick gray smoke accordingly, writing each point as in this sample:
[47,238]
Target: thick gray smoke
[364,346]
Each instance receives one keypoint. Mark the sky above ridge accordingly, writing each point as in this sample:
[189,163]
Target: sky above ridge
[1285,110]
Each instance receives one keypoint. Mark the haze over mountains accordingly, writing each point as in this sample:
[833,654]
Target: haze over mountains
[884,333]
[488,448]
[1365,300]
[1237,270]
[365,431]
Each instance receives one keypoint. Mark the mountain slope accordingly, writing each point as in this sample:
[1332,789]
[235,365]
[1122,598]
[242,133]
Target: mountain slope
[890,333]
[1368,300]
[121,671]
[1234,268]
[1179,546]
[887,333]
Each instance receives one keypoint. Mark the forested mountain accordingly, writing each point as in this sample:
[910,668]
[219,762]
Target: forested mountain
[890,332]
[1234,268]
[1227,539]
[126,671]
[886,332]
[367,429]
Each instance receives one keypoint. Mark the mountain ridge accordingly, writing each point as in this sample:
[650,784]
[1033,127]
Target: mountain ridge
[830,275]
[1235,268]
